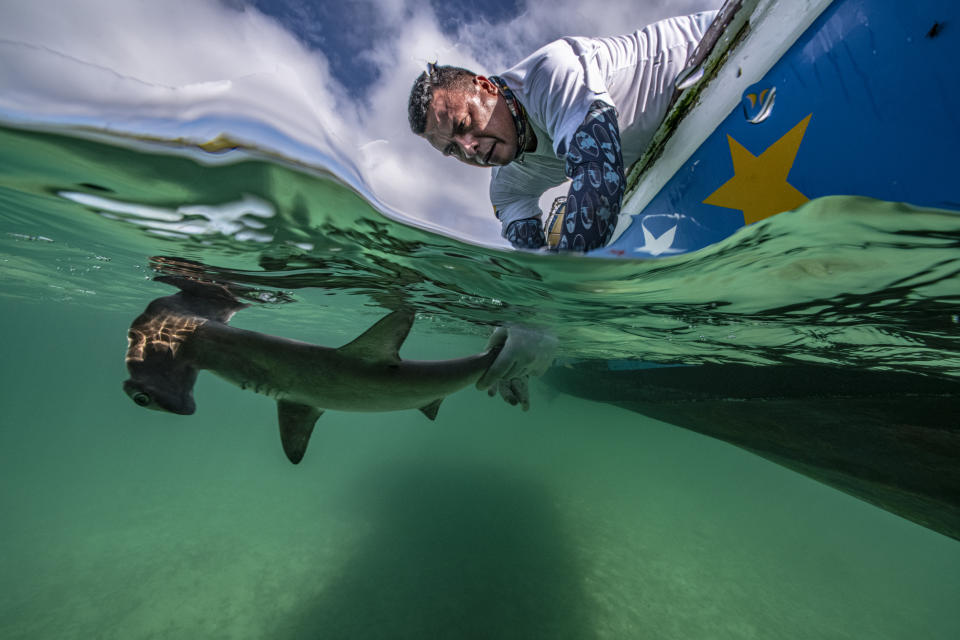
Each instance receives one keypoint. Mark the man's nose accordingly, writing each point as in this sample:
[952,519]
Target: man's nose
[468,145]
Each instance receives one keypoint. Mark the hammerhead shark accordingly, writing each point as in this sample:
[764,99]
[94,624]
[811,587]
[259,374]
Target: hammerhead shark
[180,334]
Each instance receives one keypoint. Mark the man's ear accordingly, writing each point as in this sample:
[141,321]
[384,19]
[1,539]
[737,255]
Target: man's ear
[485,85]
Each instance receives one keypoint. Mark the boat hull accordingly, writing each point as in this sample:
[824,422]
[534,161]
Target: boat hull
[891,439]
[864,102]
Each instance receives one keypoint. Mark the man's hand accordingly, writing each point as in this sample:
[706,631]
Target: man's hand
[524,352]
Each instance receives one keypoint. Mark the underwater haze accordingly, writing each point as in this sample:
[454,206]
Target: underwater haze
[575,520]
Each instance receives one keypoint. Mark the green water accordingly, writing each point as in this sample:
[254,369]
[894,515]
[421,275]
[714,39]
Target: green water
[575,520]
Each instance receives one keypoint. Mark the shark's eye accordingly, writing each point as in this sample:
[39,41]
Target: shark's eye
[142,399]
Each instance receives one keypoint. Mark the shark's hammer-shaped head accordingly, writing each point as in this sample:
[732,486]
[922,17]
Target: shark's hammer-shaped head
[159,349]
[160,397]
[161,376]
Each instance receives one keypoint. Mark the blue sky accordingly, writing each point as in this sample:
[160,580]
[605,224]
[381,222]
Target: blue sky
[343,31]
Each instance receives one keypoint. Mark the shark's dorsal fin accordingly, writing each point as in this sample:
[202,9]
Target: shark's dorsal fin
[431,409]
[296,425]
[381,342]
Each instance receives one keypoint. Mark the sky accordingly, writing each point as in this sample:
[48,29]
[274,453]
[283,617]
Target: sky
[330,78]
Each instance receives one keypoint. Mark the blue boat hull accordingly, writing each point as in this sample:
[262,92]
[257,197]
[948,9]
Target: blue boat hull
[866,101]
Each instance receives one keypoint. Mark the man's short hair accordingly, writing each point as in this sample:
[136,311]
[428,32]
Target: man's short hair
[421,95]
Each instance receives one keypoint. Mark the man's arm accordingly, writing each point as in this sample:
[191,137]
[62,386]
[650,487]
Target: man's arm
[518,213]
[594,164]
[525,234]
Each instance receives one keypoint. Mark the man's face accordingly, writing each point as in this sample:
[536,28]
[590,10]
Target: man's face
[472,124]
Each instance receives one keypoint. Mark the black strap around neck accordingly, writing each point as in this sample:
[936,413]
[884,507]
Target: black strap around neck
[519,116]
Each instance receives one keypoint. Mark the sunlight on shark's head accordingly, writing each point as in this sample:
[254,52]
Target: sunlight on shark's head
[159,358]
[159,379]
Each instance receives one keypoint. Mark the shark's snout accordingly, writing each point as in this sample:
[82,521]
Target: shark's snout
[154,398]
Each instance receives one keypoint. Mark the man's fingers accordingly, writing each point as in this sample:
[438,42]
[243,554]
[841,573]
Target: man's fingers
[513,390]
[520,392]
[508,392]
[497,338]
[492,375]
[501,369]
[510,373]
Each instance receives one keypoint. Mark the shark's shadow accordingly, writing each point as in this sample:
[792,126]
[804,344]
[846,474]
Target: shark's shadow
[454,552]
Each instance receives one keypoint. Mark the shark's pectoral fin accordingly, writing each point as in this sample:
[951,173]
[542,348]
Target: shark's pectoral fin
[381,342]
[296,425]
[431,409]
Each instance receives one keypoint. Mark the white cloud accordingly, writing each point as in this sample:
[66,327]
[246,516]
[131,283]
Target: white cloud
[196,67]
[177,69]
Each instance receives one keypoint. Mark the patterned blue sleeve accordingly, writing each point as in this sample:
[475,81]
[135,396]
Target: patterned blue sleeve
[525,234]
[594,164]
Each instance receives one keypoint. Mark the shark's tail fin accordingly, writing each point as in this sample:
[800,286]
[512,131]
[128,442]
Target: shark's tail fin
[159,356]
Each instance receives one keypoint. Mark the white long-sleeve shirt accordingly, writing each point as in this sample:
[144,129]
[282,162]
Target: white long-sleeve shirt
[634,73]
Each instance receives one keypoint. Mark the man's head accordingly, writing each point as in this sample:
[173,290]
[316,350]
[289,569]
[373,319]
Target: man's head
[463,115]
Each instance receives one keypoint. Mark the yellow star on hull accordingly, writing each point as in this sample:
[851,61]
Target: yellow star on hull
[759,186]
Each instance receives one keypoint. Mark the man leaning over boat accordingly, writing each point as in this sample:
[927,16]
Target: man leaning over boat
[581,109]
